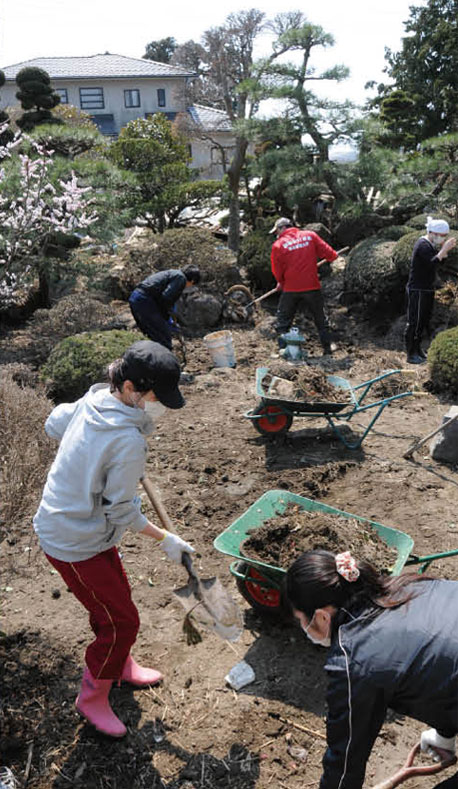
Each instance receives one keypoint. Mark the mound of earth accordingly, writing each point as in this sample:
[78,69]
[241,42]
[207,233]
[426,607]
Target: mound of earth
[310,384]
[280,540]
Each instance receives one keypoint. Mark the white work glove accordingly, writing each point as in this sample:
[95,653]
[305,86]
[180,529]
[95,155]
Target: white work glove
[174,547]
[430,739]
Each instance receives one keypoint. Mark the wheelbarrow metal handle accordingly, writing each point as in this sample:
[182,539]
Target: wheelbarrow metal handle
[409,770]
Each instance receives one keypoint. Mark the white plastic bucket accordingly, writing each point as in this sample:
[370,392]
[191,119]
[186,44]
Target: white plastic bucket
[221,348]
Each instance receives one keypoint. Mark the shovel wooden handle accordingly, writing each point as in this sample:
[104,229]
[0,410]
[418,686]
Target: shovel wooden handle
[161,512]
[153,496]
[339,252]
[409,452]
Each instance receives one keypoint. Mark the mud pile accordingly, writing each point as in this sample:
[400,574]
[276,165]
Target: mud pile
[280,540]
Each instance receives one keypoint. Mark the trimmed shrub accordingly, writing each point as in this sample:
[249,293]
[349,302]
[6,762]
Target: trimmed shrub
[67,141]
[72,314]
[443,361]
[254,257]
[82,360]
[173,249]
[394,232]
[371,277]
[419,221]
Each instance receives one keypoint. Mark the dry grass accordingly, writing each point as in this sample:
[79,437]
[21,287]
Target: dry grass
[25,449]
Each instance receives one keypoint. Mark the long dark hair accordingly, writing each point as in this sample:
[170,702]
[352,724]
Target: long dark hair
[313,582]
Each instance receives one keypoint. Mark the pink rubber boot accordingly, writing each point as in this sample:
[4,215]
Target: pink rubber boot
[92,703]
[139,676]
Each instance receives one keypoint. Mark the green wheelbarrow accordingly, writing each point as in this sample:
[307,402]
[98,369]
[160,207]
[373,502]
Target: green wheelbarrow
[274,414]
[260,583]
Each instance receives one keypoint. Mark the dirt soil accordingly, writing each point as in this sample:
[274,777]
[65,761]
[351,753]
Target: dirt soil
[280,540]
[194,731]
[310,384]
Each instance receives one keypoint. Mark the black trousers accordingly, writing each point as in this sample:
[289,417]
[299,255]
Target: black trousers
[149,319]
[419,310]
[311,300]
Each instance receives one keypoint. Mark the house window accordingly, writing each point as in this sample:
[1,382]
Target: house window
[62,92]
[105,124]
[131,98]
[161,97]
[91,99]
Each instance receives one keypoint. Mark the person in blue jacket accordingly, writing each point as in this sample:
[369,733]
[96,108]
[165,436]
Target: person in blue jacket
[153,300]
[393,644]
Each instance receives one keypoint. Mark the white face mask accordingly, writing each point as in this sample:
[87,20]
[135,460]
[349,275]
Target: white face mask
[154,409]
[437,240]
[322,642]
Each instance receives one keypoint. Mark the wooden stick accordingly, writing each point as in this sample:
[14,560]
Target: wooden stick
[302,728]
[409,452]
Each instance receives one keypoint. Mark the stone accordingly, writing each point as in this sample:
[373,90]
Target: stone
[196,310]
[444,445]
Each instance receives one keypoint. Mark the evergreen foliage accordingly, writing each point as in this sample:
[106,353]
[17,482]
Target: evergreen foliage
[443,361]
[158,156]
[254,256]
[79,361]
[423,102]
[37,97]
[161,51]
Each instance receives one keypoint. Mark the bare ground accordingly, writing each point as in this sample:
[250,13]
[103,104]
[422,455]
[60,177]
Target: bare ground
[195,732]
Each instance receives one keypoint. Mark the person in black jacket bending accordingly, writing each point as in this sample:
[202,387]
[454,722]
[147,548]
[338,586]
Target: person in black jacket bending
[394,644]
[428,251]
[153,300]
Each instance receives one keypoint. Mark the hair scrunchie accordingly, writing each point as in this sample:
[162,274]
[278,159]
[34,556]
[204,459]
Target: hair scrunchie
[346,566]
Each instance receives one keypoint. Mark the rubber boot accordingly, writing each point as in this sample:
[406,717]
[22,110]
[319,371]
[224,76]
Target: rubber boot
[92,703]
[139,676]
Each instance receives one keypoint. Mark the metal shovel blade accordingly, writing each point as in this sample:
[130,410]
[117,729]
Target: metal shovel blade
[211,605]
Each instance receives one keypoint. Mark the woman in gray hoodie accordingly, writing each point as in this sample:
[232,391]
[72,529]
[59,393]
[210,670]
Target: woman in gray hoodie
[88,502]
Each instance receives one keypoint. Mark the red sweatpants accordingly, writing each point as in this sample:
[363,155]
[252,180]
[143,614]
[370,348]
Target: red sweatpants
[101,585]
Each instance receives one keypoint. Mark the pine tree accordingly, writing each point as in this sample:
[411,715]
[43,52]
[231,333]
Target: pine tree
[35,91]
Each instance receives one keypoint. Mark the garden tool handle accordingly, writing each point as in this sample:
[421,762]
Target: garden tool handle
[161,512]
[157,504]
[408,453]
[339,252]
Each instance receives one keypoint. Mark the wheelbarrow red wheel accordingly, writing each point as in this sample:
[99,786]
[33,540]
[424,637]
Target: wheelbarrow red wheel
[265,600]
[271,419]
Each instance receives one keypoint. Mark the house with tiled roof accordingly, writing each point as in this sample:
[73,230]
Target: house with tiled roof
[115,89]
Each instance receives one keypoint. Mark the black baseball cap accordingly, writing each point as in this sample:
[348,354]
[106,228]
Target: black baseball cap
[150,365]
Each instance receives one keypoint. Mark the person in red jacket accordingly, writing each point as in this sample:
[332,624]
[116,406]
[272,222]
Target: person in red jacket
[294,259]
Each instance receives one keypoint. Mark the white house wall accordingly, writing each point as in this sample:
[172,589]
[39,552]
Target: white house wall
[206,155]
[113,93]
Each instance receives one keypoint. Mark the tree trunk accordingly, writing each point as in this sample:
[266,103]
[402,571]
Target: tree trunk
[233,174]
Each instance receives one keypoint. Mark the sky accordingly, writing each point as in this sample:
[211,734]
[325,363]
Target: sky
[46,28]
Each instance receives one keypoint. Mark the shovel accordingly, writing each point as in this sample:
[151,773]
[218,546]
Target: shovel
[205,598]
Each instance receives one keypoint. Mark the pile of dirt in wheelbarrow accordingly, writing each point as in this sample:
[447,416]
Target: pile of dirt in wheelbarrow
[310,383]
[280,540]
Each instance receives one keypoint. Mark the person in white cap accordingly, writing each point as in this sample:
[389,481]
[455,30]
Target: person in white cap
[428,251]
[294,259]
